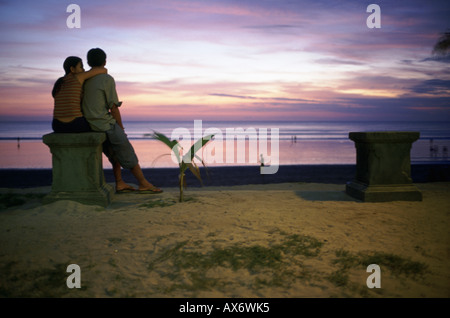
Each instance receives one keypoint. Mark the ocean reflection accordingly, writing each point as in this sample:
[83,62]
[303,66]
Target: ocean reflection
[153,154]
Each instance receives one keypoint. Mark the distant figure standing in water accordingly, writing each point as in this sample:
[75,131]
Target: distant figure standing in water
[433,149]
[67,93]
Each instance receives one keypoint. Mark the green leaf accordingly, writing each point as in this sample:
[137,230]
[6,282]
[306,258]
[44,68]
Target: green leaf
[189,156]
[186,162]
[195,171]
[174,145]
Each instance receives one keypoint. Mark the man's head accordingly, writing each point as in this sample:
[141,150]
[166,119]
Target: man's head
[96,57]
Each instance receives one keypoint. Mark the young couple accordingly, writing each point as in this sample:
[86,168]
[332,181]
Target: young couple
[87,101]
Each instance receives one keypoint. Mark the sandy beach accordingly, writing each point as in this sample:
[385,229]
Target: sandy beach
[280,240]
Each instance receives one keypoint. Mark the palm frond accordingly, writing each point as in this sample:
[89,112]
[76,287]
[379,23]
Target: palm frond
[189,156]
[195,171]
[174,145]
[185,161]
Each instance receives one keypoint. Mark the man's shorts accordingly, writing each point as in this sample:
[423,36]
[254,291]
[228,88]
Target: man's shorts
[118,148]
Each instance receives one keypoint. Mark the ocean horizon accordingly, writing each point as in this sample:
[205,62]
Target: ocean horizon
[311,142]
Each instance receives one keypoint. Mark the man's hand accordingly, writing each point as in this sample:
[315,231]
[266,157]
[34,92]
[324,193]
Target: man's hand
[115,113]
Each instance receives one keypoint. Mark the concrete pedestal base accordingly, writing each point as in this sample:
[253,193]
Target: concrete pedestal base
[385,193]
[383,167]
[78,168]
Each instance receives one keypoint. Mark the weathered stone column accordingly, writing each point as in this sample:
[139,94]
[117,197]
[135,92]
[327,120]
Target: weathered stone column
[383,167]
[78,168]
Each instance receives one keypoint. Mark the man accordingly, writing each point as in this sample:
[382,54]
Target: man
[101,108]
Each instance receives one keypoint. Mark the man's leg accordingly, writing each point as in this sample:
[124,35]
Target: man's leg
[120,184]
[125,155]
[143,182]
[117,169]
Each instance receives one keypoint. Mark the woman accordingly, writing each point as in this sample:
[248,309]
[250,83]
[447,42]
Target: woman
[67,93]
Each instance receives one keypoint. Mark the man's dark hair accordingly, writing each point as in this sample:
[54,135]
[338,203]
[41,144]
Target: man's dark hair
[96,57]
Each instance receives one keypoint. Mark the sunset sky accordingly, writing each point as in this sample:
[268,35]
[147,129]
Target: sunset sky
[234,59]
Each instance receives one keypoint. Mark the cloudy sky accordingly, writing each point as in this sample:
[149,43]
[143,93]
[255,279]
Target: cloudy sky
[235,59]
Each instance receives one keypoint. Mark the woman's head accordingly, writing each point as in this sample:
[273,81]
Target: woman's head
[73,64]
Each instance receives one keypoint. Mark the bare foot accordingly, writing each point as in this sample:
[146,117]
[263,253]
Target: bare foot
[149,188]
[122,186]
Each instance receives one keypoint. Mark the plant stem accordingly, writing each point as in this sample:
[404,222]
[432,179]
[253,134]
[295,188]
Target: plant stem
[181,186]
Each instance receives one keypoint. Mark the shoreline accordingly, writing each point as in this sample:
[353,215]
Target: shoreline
[231,175]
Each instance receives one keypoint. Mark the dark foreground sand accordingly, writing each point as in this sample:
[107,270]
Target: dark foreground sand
[284,240]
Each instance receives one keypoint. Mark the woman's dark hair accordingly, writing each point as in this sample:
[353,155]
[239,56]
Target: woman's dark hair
[71,61]
[96,57]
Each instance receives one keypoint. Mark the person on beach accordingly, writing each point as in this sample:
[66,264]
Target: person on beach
[67,94]
[100,106]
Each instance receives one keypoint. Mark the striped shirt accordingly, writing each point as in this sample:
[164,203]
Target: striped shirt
[68,99]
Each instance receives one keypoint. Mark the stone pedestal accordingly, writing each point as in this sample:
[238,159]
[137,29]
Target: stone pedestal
[78,168]
[383,167]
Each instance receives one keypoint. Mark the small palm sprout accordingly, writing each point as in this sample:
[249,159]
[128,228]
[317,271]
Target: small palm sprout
[185,161]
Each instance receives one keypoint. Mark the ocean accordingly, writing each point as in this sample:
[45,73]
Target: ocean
[298,142]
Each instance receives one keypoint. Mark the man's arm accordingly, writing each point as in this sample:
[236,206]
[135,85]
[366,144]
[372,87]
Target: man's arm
[115,113]
[112,100]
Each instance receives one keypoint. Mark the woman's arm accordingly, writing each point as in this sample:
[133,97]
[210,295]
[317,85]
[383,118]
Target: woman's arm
[91,73]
